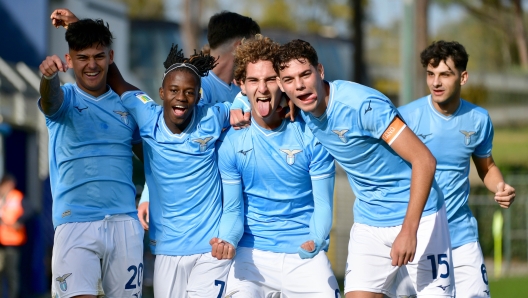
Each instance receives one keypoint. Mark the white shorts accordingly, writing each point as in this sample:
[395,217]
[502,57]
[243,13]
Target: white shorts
[471,278]
[198,275]
[92,257]
[369,265]
[264,274]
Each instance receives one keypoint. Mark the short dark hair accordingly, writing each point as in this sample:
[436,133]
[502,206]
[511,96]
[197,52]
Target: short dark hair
[85,33]
[251,51]
[295,49]
[441,50]
[227,25]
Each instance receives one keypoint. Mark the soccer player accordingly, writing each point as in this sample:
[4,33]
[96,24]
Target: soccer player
[456,131]
[188,215]
[399,210]
[98,238]
[224,34]
[286,179]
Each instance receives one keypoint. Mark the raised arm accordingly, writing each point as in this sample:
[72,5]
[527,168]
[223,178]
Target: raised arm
[51,94]
[62,17]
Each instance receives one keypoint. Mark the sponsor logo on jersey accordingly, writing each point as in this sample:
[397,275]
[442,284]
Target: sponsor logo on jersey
[142,96]
[62,281]
[467,136]
[244,152]
[66,213]
[203,143]
[79,109]
[124,116]
[368,109]
[290,155]
[424,136]
[443,287]
[341,134]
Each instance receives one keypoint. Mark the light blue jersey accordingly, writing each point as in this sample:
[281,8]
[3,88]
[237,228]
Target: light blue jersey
[453,140]
[184,183]
[351,130]
[214,90]
[90,157]
[277,169]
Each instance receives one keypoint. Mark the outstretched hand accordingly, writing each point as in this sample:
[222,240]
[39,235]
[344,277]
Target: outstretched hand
[62,17]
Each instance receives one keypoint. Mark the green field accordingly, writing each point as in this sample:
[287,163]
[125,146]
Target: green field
[509,287]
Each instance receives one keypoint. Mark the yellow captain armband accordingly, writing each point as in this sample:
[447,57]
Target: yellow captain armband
[393,131]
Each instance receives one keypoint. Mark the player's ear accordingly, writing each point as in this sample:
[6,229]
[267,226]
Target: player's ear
[279,82]
[161,93]
[320,69]
[464,76]
[111,55]
[68,60]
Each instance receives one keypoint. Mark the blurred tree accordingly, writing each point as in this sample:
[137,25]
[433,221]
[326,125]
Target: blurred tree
[421,42]
[505,16]
[144,9]
[277,15]
[190,26]
[359,71]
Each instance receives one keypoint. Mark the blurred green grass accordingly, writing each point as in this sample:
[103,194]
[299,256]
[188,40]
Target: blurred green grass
[509,287]
[510,149]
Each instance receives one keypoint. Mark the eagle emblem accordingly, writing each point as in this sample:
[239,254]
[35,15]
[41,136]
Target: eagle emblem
[62,281]
[124,116]
[467,134]
[341,134]
[290,155]
[203,143]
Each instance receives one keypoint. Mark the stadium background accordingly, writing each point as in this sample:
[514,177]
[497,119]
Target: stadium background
[382,53]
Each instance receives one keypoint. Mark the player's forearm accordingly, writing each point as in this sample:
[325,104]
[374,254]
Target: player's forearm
[321,221]
[232,221]
[116,81]
[423,170]
[492,177]
[51,95]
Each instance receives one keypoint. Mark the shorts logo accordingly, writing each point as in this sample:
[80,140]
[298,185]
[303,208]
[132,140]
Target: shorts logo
[487,292]
[229,295]
[443,287]
[203,143]
[467,134]
[341,134]
[290,155]
[124,116]
[62,281]
[143,97]
[66,213]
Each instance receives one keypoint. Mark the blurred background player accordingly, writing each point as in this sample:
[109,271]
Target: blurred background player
[286,180]
[224,34]
[399,210]
[14,213]
[456,131]
[98,238]
[193,233]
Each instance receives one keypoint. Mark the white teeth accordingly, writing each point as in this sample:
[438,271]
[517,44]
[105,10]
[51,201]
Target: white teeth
[91,73]
[179,107]
[263,98]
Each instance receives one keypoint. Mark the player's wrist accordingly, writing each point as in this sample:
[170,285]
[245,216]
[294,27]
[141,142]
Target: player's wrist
[50,77]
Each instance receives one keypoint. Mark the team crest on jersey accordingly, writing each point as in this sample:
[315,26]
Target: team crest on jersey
[203,143]
[467,138]
[124,116]
[341,134]
[290,155]
[143,97]
[62,281]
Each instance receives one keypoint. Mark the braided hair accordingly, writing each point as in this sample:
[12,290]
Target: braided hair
[199,63]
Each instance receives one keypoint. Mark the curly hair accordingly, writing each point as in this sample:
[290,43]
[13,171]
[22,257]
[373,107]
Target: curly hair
[442,50]
[84,33]
[295,49]
[227,25]
[199,63]
[251,51]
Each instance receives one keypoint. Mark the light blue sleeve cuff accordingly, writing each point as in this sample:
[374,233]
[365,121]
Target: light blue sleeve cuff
[241,102]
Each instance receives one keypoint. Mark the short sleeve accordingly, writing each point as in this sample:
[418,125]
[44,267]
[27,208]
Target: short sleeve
[485,146]
[375,114]
[142,108]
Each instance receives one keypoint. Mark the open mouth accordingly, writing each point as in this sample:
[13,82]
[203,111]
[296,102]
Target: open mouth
[179,110]
[92,74]
[307,98]
[264,106]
